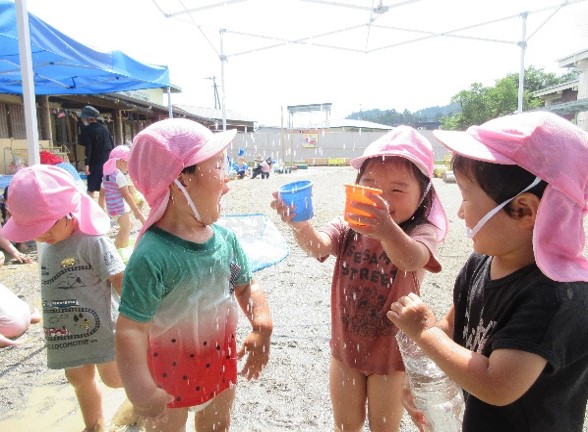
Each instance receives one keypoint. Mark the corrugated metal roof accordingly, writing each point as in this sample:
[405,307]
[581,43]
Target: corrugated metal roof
[572,59]
[215,113]
[568,108]
[349,123]
[556,88]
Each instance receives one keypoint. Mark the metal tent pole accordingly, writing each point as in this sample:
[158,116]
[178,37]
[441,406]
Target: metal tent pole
[28,83]
[223,59]
[170,109]
[523,45]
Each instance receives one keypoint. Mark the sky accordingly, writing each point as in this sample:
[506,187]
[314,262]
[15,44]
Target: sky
[339,51]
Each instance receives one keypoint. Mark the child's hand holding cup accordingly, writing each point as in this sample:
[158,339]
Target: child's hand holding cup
[298,195]
[357,193]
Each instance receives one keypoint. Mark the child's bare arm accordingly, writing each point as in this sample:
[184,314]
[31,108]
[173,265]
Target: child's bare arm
[254,304]
[311,241]
[126,193]
[117,281]
[9,247]
[498,380]
[131,357]
[447,322]
[405,252]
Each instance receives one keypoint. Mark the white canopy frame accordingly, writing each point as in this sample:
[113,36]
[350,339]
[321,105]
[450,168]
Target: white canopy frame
[376,11]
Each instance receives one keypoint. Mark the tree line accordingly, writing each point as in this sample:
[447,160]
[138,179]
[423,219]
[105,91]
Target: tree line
[475,105]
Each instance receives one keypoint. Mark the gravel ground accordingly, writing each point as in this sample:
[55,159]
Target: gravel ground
[292,394]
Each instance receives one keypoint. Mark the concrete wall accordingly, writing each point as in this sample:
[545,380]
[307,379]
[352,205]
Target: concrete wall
[289,147]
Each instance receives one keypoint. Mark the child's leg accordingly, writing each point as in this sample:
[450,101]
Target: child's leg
[88,393]
[102,199]
[216,416]
[125,414]
[384,404]
[174,420]
[109,374]
[124,231]
[348,396]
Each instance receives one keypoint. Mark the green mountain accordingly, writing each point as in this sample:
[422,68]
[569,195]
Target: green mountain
[427,116]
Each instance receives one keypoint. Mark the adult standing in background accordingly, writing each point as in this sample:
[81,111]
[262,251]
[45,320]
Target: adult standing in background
[98,142]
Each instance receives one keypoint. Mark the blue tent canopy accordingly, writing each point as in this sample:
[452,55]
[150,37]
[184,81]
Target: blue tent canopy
[62,65]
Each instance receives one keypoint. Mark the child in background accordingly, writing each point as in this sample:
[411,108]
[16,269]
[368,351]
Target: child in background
[15,317]
[118,198]
[265,169]
[79,267]
[515,337]
[257,167]
[176,334]
[17,256]
[242,168]
[376,264]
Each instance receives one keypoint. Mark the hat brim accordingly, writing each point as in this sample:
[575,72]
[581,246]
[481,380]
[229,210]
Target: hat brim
[109,166]
[466,145]
[218,142]
[92,218]
[17,233]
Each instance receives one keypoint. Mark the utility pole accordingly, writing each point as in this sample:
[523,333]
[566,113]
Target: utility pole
[216,98]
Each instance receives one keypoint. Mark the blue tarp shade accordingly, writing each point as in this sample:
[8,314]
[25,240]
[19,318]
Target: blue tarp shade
[62,65]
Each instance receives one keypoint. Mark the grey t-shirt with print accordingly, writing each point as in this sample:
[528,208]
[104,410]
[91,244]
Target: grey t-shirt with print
[77,299]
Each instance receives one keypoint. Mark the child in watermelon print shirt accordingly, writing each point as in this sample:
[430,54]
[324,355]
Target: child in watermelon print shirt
[176,334]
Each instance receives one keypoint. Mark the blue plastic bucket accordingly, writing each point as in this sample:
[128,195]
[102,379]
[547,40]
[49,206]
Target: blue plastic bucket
[299,195]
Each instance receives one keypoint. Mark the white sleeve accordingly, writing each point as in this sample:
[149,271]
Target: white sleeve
[121,180]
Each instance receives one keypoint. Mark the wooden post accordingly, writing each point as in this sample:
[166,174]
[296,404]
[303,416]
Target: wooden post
[46,131]
[118,128]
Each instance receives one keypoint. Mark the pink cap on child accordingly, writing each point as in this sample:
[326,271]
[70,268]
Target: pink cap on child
[117,153]
[40,195]
[407,143]
[162,150]
[555,150]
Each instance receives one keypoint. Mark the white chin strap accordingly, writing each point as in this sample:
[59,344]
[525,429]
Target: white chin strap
[190,202]
[427,189]
[471,233]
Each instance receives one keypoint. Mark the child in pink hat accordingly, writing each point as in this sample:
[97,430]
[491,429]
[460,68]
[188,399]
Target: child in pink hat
[177,330]
[118,198]
[383,258]
[515,337]
[79,267]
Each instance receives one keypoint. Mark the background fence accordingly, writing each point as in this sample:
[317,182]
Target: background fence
[323,148]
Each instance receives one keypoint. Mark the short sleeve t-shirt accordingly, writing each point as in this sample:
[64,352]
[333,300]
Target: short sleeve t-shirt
[365,284]
[77,299]
[115,202]
[526,311]
[186,290]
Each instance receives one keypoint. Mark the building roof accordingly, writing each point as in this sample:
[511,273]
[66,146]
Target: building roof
[350,124]
[572,59]
[557,88]
[568,108]
[215,116]
[345,124]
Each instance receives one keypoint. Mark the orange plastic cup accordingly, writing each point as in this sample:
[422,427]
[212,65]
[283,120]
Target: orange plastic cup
[357,193]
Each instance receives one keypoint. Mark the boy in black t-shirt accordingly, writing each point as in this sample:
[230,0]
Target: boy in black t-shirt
[515,337]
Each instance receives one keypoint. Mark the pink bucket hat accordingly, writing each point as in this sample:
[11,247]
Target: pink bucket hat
[161,151]
[117,153]
[555,150]
[42,194]
[407,143]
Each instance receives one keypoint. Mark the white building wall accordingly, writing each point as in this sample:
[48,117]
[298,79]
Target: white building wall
[284,146]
